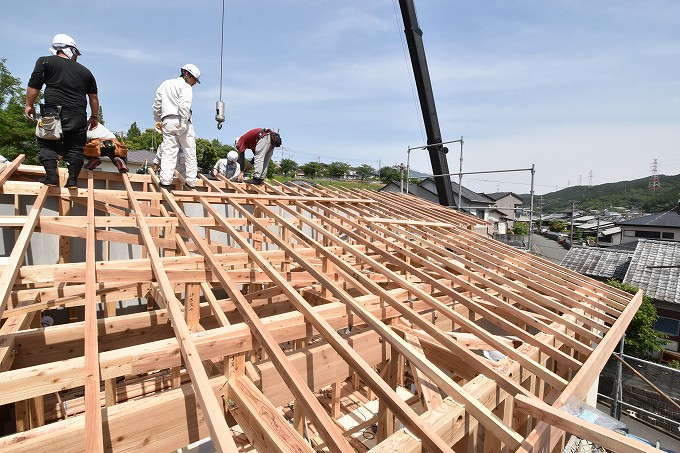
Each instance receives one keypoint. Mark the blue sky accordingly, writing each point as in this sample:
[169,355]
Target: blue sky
[573,87]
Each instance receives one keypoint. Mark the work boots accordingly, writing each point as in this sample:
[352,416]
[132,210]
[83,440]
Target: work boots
[73,172]
[256,181]
[51,176]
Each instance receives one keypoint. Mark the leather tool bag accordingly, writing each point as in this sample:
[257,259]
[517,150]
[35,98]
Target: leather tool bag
[49,123]
[94,147]
[121,148]
[91,148]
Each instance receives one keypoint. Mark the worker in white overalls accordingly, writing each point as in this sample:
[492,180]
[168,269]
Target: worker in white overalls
[172,108]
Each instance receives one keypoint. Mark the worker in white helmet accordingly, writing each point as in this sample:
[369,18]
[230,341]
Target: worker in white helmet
[68,86]
[172,108]
[228,167]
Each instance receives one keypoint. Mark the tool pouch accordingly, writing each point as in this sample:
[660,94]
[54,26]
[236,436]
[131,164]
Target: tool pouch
[276,139]
[49,123]
[91,148]
[121,148]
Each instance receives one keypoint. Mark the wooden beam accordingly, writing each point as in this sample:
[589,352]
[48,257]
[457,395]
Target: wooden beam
[16,257]
[8,169]
[322,421]
[406,414]
[218,427]
[546,434]
[580,427]
[428,390]
[262,423]
[93,412]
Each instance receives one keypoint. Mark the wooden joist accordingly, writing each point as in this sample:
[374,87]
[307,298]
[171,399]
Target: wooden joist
[261,298]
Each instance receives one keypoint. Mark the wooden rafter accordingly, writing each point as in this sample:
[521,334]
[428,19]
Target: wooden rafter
[247,300]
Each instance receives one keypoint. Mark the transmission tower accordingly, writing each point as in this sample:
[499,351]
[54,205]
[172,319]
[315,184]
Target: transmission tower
[590,178]
[654,183]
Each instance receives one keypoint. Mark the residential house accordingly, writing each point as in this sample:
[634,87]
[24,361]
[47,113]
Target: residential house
[508,203]
[653,266]
[135,159]
[474,203]
[664,226]
[655,269]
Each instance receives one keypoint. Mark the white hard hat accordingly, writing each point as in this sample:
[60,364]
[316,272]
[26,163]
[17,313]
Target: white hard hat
[47,321]
[193,70]
[232,156]
[236,141]
[61,40]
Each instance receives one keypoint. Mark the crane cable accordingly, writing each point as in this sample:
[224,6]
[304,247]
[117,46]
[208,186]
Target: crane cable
[219,106]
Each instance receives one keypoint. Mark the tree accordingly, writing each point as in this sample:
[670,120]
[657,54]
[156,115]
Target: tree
[100,116]
[364,171]
[389,174]
[521,228]
[134,131]
[312,169]
[337,169]
[208,152]
[272,169]
[17,134]
[641,339]
[149,139]
[558,226]
[288,167]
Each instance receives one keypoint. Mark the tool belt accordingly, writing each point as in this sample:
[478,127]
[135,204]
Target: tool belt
[94,147]
[275,137]
[49,123]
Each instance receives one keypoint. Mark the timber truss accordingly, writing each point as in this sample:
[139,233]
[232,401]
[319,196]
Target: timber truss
[285,318]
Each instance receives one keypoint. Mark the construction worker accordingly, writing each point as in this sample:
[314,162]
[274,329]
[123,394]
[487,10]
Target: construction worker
[228,167]
[261,141]
[68,86]
[172,108]
[102,142]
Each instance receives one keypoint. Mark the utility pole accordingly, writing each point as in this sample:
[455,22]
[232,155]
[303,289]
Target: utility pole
[401,178]
[571,235]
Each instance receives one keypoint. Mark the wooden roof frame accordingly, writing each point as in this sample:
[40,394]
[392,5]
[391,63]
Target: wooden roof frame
[259,299]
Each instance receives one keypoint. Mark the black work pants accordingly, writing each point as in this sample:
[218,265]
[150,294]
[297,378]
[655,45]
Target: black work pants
[70,147]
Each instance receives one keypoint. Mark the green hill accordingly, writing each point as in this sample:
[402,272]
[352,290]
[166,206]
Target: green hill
[634,195]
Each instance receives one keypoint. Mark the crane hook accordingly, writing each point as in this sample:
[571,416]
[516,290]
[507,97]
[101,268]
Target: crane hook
[219,113]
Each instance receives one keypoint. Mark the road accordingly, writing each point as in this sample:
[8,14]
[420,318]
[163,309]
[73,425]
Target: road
[548,248]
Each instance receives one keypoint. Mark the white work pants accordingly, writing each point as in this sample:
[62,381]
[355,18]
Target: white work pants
[176,136]
[263,154]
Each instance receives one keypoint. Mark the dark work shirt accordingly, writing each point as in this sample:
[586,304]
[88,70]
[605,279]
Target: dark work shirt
[67,82]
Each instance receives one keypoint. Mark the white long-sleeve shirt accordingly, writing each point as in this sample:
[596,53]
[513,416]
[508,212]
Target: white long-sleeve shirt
[230,170]
[173,97]
[100,132]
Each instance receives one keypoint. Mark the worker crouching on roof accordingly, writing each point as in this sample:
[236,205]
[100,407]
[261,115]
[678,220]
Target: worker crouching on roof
[102,142]
[261,141]
[172,108]
[228,167]
[62,128]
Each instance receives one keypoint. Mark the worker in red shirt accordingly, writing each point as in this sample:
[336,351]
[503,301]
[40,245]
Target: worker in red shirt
[261,141]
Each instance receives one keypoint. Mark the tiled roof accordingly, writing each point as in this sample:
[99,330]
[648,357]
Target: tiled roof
[655,269]
[598,262]
[466,193]
[498,195]
[660,219]
[140,155]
